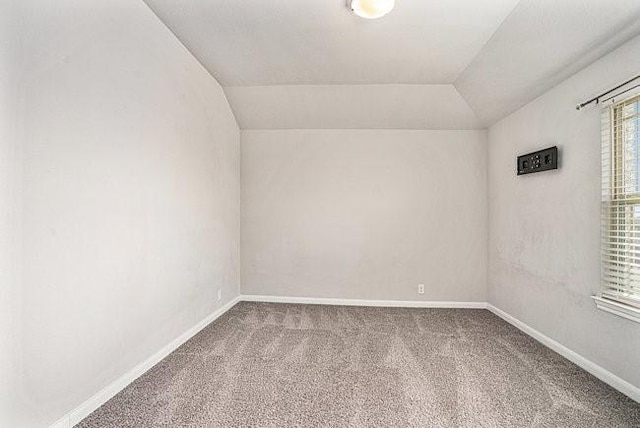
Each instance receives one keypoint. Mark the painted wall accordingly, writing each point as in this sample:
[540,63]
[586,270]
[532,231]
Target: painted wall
[364,214]
[130,196]
[11,394]
[544,229]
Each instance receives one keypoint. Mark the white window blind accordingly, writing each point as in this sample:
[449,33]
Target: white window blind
[621,202]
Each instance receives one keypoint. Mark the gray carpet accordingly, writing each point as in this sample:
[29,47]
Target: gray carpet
[280,365]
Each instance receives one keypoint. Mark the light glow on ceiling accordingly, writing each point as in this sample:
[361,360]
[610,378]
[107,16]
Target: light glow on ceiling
[372,9]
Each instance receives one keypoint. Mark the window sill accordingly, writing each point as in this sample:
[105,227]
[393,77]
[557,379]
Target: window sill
[620,309]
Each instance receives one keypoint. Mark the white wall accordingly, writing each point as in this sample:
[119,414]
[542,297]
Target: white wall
[544,229]
[11,394]
[130,182]
[364,214]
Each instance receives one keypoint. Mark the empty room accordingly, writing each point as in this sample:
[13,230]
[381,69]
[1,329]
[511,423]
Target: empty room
[319,213]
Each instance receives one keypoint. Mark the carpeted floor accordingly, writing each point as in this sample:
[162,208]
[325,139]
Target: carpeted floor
[281,365]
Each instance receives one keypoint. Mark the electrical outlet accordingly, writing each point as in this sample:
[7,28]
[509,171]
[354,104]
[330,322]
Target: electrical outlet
[219,295]
[420,288]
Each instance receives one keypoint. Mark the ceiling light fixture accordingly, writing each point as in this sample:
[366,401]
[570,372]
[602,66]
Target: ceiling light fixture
[372,9]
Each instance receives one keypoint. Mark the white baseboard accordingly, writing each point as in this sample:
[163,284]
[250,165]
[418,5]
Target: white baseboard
[104,395]
[604,375]
[63,422]
[358,302]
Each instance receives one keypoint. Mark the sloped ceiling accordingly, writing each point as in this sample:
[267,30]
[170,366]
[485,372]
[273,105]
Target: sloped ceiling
[427,65]
[320,42]
[539,45]
[351,107]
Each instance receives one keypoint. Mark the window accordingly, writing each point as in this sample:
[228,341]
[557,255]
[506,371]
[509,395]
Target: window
[620,285]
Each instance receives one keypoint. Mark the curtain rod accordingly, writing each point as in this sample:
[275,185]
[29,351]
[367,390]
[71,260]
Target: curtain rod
[597,98]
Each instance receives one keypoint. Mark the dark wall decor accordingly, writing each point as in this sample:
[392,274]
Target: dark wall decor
[542,160]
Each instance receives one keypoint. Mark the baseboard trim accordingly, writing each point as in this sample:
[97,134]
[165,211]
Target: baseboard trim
[104,395]
[358,302]
[604,375]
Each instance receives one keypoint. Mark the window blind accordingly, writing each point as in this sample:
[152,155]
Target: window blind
[621,202]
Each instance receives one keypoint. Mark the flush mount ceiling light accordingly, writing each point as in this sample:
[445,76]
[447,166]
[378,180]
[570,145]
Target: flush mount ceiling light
[371,9]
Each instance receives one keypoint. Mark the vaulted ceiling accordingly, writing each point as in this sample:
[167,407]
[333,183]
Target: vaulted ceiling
[459,64]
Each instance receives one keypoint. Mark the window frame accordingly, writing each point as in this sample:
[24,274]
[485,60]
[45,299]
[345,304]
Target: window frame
[613,208]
